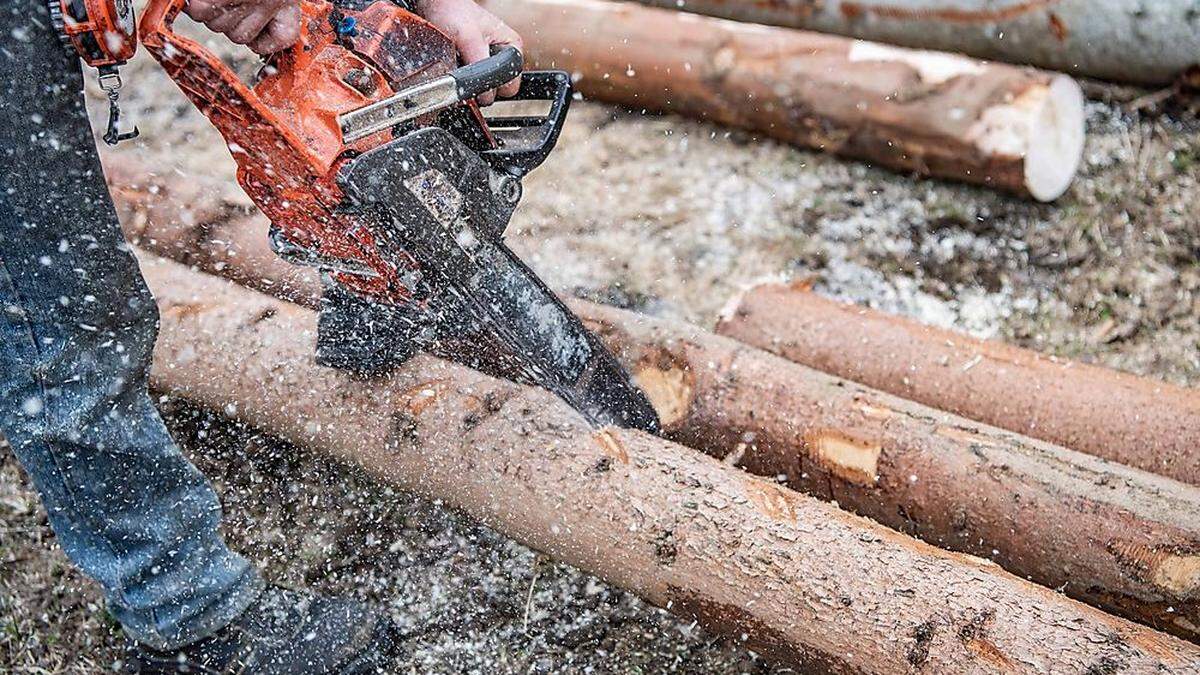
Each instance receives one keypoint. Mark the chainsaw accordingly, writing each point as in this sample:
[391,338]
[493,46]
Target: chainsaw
[364,146]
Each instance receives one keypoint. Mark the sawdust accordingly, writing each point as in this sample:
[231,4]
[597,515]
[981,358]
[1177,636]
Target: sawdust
[671,217]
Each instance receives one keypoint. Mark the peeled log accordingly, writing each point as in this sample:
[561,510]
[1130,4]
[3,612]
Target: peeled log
[1136,421]
[1123,40]
[938,114]
[1117,538]
[801,580]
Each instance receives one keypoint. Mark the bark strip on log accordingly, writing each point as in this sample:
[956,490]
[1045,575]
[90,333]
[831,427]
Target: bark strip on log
[1139,42]
[938,114]
[803,581]
[1115,537]
[1136,421]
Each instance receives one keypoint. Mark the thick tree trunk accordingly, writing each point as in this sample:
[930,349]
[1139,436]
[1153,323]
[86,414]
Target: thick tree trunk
[1124,40]
[794,577]
[939,114]
[1118,538]
[1136,421]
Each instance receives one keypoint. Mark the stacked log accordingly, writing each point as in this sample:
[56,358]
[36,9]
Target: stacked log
[1139,42]
[793,577]
[1118,538]
[935,114]
[1143,423]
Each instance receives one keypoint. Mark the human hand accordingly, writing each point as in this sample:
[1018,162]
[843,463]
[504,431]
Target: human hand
[265,26]
[474,30]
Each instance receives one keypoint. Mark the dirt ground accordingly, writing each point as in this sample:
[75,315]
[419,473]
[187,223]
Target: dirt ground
[670,217]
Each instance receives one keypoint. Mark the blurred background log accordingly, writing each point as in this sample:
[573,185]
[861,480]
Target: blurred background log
[1132,41]
[936,114]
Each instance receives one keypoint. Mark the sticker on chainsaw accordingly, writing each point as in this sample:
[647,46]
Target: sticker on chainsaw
[437,195]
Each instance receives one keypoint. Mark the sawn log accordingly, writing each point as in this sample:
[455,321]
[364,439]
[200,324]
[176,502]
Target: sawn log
[933,113]
[1115,537]
[795,578]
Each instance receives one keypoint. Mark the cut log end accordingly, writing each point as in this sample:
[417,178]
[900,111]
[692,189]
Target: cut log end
[852,459]
[668,385]
[1055,140]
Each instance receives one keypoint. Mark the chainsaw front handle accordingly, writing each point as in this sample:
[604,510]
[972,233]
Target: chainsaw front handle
[458,86]
[488,74]
[524,141]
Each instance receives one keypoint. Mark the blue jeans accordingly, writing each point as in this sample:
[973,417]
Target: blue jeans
[77,327]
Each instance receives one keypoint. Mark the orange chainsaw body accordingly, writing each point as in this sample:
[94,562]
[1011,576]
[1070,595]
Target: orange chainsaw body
[283,133]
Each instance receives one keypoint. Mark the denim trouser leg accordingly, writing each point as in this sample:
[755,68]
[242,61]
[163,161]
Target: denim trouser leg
[77,325]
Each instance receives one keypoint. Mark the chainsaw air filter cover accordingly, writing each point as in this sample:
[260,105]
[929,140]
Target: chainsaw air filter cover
[102,32]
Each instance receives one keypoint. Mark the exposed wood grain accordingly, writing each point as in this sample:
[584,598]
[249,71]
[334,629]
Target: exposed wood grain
[1113,536]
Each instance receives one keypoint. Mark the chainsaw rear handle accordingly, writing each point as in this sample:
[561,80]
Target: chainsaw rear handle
[214,88]
[156,29]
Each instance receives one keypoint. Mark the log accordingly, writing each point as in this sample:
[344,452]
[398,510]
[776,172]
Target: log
[1136,421]
[1124,40]
[935,114]
[206,223]
[793,577]
[1117,538]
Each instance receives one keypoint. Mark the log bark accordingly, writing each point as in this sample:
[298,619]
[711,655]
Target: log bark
[801,580]
[1123,40]
[1117,538]
[1136,421]
[937,114]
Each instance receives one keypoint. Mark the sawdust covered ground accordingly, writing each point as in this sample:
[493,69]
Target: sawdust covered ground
[670,217]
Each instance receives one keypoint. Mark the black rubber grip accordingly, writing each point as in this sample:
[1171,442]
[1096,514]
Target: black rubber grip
[488,74]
